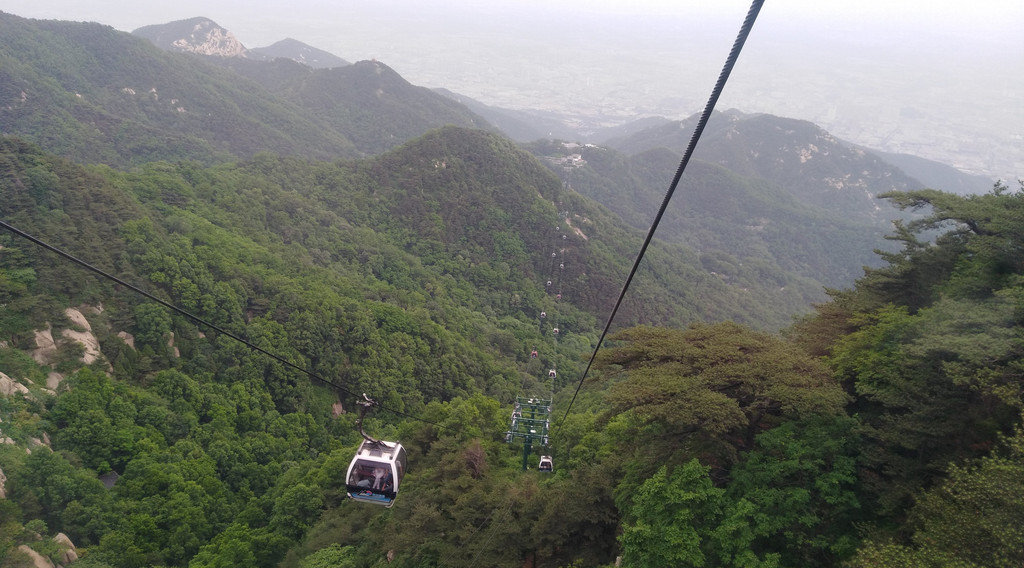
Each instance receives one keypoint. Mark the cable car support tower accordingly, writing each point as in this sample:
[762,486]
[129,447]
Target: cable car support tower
[531,415]
[531,422]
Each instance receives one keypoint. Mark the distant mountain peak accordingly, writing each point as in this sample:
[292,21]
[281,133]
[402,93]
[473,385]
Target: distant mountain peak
[194,35]
[296,50]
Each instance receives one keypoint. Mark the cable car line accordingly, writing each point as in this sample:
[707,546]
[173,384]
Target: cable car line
[203,322]
[531,414]
[716,92]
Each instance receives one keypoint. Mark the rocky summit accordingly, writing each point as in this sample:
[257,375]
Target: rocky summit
[195,35]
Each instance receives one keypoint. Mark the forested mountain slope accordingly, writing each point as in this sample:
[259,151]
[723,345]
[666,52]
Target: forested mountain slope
[383,276]
[296,50]
[367,101]
[417,276]
[456,222]
[96,95]
[761,190]
[930,347]
[795,155]
[738,223]
[934,174]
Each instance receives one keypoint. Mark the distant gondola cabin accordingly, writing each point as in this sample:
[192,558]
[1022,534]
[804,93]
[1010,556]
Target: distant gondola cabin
[376,472]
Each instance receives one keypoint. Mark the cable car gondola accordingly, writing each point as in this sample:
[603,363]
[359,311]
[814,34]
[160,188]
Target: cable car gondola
[545,465]
[376,472]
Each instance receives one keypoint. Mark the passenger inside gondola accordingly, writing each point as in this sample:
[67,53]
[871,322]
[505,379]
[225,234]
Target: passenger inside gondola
[368,476]
[387,482]
[378,477]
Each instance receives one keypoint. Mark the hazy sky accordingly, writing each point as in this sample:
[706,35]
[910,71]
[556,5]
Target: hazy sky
[894,73]
[998,15]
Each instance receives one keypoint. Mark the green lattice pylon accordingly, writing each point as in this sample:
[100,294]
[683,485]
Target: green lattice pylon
[530,421]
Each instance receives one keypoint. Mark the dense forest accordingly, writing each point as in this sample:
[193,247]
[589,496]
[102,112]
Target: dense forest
[888,415]
[880,427]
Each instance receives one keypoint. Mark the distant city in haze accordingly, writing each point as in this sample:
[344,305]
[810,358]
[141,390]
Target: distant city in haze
[937,91]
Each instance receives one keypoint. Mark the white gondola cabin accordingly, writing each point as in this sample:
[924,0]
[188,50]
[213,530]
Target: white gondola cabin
[376,472]
[545,465]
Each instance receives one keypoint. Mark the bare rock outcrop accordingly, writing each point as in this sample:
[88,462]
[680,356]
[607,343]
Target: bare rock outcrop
[78,318]
[85,338]
[9,386]
[195,35]
[128,338]
[38,560]
[174,348]
[70,552]
[209,39]
[46,350]
[53,380]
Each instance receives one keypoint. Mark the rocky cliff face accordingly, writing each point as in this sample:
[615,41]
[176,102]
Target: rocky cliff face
[196,35]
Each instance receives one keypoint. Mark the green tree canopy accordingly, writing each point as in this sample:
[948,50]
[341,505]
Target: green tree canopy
[711,389]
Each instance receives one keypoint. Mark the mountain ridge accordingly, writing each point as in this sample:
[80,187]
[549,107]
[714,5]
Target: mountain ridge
[197,35]
[298,51]
[95,94]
